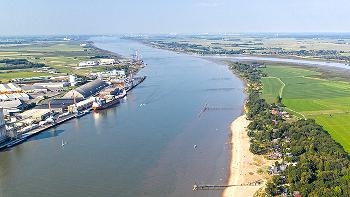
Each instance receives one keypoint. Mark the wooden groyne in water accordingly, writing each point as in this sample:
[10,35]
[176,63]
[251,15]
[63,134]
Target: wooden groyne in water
[222,187]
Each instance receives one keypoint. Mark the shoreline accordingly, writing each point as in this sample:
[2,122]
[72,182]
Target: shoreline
[243,165]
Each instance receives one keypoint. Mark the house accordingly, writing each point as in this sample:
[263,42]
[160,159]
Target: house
[277,169]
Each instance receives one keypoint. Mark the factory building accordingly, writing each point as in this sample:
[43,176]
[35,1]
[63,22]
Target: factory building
[33,89]
[87,90]
[82,105]
[9,88]
[88,63]
[106,61]
[59,104]
[52,84]
[12,91]
[72,80]
[13,106]
[15,96]
[3,134]
[35,114]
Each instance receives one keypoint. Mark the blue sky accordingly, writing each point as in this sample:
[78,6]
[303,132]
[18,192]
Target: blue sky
[28,17]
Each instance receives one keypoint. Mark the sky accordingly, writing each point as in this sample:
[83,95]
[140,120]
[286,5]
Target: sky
[38,17]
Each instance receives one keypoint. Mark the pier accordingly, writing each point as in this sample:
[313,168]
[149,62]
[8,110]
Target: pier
[222,187]
[207,108]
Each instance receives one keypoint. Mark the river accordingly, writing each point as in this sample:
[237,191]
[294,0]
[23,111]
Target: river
[142,147]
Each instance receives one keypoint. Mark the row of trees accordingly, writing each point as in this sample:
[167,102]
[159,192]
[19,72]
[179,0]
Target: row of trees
[9,64]
[316,164]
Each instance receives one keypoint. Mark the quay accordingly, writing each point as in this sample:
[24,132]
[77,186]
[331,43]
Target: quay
[25,136]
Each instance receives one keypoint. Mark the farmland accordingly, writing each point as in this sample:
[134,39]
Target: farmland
[59,58]
[308,92]
[312,47]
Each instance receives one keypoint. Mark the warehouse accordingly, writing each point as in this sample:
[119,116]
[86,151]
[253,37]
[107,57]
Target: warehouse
[34,89]
[87,90]
[58,104]
[9,88]
[15,96]
[52,84]
[13,106]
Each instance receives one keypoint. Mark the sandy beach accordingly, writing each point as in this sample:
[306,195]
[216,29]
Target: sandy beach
[244,164]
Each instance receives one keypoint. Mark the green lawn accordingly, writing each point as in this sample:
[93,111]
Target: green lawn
[325,100]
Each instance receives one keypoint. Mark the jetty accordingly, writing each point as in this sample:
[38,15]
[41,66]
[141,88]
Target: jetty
[222,187]
[214,108]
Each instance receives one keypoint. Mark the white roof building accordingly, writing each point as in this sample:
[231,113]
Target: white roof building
[9,88]
[3,135]
[52,84]
[106,61]
[88,63]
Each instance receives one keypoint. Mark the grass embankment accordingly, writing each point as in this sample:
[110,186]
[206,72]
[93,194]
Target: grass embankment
[308,93]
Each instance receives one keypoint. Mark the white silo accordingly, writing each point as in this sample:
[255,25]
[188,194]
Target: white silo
[3,135]
[72,80]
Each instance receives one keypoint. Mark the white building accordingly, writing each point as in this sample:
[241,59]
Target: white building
[3,134]
[72,80]
[9,88]
[52,84]
[113,73]
[106,61]
[88,63]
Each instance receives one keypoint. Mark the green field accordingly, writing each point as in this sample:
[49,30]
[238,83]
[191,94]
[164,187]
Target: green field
[273,87]
[59,55]
[6,76]
[307,93]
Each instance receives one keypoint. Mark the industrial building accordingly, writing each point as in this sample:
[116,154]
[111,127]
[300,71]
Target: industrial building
[59,104]
[87,90]
[106,61]
[82,105]
[88,63]
[12,91]
[110,74]
[9,88]
[13,106]
[52,84]
[72,80]
[34,89]
[3,134]
[35,114]
[15,96]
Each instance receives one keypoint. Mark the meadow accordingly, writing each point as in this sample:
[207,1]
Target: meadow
[308,92]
